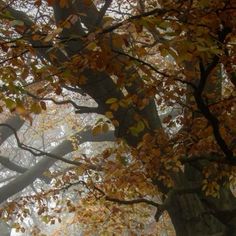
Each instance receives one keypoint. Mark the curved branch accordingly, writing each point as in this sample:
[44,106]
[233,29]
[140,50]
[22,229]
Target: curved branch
[45,163]
[127,202]
[202,106]
[15,122]
[80,109]
[159,207]
[37,152]
[11,165]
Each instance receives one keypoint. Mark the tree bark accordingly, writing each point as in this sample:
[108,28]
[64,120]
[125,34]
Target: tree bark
[15,122]
[191,215]
[191,218]
[195,214]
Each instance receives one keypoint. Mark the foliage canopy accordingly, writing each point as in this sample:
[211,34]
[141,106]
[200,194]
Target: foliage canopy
[151,82]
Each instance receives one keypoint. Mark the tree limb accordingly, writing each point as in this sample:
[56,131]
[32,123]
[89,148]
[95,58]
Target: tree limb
[6,162]
[127,202]
[15,122]
[102,12]
[80,109]
[45,163]
[204,74]
[37,152]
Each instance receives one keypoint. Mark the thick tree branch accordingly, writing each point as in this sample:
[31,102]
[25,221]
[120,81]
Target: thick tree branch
[15,122]
[80,109]
[88,13]
[216,128]
[105,88]
[6,162]
[127,202]
[37,152]
[34,172]
[45,163]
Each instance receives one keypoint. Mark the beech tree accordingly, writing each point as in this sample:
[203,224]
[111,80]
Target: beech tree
[160,78]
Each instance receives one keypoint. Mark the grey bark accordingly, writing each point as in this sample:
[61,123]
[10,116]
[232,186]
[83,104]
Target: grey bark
[6,162]
[29,176]
[195,214]
[5,230]
[14,121]
[33,173]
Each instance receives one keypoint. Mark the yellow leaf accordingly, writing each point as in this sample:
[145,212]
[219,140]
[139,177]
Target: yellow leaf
[109,114]
[105,127]
[114,106]
[111,100]
[97,130]
[91,46]
[36,108]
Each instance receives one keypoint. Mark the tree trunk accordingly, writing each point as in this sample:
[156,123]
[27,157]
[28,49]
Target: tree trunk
[195,214]
[191,218]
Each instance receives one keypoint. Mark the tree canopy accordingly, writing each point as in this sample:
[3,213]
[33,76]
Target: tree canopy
[118,117]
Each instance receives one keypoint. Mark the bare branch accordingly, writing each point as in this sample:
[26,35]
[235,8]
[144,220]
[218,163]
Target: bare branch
[102,12]
[14,57]
[80,109]
[127,202]
[153,67]
[37,152]
[83,109]
[45,163]
[154,12]
[14,121]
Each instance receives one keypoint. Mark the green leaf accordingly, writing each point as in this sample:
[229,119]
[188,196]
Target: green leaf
[45,219]
[10,104]
[137,129]
[111,100]
[17,23]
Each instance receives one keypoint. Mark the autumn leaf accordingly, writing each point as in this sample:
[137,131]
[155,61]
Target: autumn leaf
[52,35]
[64,3]
[35,108]
[111,100]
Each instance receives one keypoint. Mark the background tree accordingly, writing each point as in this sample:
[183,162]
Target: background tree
[133,60]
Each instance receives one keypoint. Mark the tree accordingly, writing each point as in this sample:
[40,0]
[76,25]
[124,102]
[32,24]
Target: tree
[146,58]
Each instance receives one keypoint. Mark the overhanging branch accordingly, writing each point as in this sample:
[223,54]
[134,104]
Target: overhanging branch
[45,163]
[159,207]
[80,109]
[37,152]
